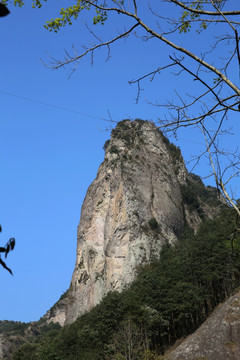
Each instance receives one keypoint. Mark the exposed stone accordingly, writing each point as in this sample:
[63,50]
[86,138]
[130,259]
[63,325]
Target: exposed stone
[218,337]
[192,218]
[136,182]
[6,347]
[11,342]
[137,185]
[1,347]
[57,313]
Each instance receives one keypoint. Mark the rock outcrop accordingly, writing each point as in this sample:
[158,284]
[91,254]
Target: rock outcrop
[131,209]
[217,338]
[57,313]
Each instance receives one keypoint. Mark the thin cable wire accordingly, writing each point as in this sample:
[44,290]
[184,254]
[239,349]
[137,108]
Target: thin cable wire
[72,111]
[50,105]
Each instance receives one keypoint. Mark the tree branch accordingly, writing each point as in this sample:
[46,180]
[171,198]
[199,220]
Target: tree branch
[204,12]
[218,181]
[59,64]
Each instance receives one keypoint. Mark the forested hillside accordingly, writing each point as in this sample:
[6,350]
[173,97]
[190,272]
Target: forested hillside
[169,299]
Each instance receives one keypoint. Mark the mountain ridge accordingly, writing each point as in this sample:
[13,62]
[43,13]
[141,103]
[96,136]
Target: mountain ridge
[130,210]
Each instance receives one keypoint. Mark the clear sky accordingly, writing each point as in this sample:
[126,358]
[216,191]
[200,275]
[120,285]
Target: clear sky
[52,131]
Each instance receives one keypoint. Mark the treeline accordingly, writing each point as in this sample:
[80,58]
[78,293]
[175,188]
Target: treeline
[12,326]
[169,299]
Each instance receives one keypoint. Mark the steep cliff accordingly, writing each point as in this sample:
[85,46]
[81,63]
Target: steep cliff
[131,209]
[135,193]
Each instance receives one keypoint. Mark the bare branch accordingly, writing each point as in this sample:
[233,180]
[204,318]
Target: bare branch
[204,12]
[216,92]
[135,6]
[192,56]
[152,74]
[218,180]
[69,59]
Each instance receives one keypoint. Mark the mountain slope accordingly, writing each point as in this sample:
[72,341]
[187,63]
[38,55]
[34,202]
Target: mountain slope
[132,208]
[137,208]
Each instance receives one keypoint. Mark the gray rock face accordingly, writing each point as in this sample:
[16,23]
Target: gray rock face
[218,337]
[131,209]
[5,347]
[57,313]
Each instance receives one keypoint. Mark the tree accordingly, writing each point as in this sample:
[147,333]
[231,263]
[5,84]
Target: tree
[8,247]
[215,92]
[130,341]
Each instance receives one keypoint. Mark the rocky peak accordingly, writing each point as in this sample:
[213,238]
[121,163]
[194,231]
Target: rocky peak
[131,209]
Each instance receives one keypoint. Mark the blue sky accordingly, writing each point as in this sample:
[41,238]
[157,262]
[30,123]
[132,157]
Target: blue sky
[52,131]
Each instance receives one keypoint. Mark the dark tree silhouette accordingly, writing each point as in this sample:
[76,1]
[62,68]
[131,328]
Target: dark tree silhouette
[3,10]
[8,247]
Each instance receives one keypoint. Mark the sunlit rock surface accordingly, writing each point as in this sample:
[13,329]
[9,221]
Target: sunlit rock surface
[217,339]
[131,209]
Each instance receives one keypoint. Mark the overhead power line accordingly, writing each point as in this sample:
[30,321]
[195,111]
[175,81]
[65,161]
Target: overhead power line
[50,105]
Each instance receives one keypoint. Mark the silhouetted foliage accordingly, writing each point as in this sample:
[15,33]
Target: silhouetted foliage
[3,10]
[8,247]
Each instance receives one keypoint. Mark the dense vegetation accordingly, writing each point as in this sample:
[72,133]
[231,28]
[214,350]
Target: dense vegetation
[16,328]
[195,194]
[12,326]
[169,299]
[126,133]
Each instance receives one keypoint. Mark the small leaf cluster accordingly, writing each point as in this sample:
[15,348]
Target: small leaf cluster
[72,12]
[188,17]
[37,4]
[20,3]
[66,15]
[118,2]
[101,17]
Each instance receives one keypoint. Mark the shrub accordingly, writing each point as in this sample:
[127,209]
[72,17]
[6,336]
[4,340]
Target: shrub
[107,142]
[114,149]
[153,224]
